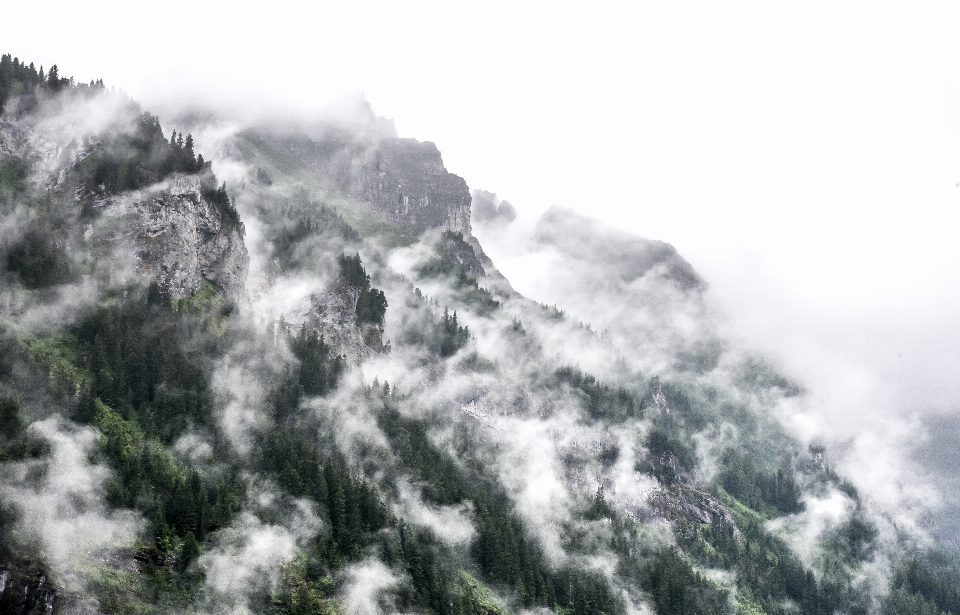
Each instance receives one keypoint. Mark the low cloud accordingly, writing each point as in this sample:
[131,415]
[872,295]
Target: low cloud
[245,559]
[61,504]
[367,588]
[451,524]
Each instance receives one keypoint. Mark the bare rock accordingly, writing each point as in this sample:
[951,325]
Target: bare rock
[406,179]
[178,237]
[48,155]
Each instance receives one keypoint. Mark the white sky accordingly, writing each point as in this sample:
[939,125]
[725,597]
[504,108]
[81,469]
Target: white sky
[804,156]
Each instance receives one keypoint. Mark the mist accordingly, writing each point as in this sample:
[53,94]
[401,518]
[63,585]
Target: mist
[696,188]
[876,418]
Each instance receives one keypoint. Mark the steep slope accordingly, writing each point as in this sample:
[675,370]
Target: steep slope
[197,415]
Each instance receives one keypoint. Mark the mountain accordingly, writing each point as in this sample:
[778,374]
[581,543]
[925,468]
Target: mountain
[286,378]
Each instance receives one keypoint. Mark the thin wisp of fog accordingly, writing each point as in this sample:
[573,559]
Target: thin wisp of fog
[480,307]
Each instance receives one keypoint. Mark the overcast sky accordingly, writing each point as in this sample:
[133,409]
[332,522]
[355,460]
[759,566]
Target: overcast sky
[804,156]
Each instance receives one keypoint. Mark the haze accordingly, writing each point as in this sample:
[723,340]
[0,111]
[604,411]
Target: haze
[804,156]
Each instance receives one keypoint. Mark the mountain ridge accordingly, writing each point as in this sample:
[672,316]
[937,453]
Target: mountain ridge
[234,446]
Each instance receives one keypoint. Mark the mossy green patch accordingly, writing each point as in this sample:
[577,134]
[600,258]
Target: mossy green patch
[59,355]
[745,606]
[740,510]
[477,599]
[209,303]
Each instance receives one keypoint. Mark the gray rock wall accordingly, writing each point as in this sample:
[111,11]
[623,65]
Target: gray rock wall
[179,238]
[403,178]
[407,180]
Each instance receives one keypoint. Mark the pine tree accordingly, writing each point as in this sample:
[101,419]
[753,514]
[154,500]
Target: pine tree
[189,156]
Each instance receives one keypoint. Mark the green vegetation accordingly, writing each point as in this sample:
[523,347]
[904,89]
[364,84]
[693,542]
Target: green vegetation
[450,336]
[900,602]
[139,369]
[35,246]
[133,351]
[60,357]
[217,195]
[290,235]
[853,541]
[319,368]
[768,573]
[130,160]
[207,303]
[457,260]
[29,85]
[600,401]
[371,302]
[918,591]
[667,456]
[502,549]
[443,337]
[120,160]
[13,175]
[126,161]
[38,257]
[770,494]
[143,392]
[475,598]
[16,443]
[353,508]
[677,589]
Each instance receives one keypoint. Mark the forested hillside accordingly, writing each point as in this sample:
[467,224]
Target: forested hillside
[280,394]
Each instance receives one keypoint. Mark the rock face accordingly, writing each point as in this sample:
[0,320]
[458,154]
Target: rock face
[406,179]
[178,237]
[332,314]
[48,154]
[171,232]
[25,591]
[687,506]
[403,178]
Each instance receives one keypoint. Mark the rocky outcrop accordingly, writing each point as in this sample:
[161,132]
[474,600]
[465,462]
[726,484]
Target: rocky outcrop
[333,316]
[25,591]
[48,154]
[407,180]
[177,236]
[687,506]
[170,231]
[490,210]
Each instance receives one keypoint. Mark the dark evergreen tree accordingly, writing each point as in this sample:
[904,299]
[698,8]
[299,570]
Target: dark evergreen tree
[53,79]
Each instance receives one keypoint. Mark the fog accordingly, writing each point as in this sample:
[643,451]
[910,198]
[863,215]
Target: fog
[802,157]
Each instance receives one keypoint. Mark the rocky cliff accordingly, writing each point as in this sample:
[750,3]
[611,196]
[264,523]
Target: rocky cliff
[46,153]
[178,237]
[406,179]
[168,230]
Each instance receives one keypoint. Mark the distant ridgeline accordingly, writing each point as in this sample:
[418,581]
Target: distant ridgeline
[178,436]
